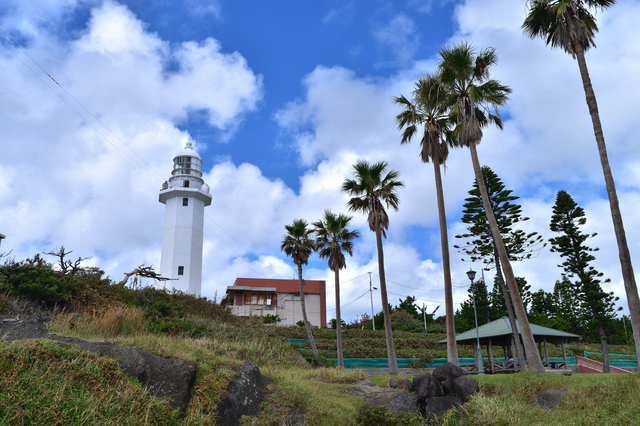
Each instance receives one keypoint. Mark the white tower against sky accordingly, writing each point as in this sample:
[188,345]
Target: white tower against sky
[185,196]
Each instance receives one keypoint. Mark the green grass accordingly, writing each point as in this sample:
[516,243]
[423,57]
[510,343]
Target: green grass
[41,383]
[591,399]
[44,384]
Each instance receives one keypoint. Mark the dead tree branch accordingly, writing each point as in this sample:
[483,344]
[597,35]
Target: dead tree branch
[67,267]
[144,271]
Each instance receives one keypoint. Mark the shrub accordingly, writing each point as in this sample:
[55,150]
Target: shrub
[178,327]
[40,283]
[417,363]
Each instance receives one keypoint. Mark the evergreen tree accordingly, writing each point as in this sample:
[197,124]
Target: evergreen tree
[409,306]
[598,304]
[480,245]
[569,311]
[466,314]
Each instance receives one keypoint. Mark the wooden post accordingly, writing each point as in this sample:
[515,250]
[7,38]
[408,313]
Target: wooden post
[564,355]
[546,352]
[491,354]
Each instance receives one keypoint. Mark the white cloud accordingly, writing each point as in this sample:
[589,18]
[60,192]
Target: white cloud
[399,35]
[62,183]
[73,182]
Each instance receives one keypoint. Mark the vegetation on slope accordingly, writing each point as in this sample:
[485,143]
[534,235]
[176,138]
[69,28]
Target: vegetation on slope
[45,384]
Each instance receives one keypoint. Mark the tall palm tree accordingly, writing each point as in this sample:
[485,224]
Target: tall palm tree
[371,188]
[569,25]
[427,109]
[474,99]
[298,244]
[333,239]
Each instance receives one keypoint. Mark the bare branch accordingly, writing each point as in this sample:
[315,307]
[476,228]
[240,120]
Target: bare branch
[144,271]
[67,267]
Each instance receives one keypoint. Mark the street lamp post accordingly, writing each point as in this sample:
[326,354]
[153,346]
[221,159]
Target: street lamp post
[472,274]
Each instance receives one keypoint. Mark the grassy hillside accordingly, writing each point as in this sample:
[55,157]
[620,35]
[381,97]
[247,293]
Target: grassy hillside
[44,384]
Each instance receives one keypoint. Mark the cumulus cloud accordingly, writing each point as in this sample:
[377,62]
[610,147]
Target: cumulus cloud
[86,157]
[66,179]
[399,35]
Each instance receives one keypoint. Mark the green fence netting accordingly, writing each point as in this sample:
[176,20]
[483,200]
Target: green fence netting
[618,360]
[436,362]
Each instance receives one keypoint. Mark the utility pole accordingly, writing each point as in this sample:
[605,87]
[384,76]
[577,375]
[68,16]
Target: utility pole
[424,315]
[373,322]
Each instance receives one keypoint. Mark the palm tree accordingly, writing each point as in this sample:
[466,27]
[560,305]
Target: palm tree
[299,245]
[371,188]
[333,239]
[427,110]
[474,99]
[569,25]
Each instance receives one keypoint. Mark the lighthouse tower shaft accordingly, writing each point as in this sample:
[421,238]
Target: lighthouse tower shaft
[185,195]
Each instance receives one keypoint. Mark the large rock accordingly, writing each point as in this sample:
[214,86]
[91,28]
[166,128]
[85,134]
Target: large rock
[244,395]
[446,374]
[436,407]
[406,385]
[396,401]
[169,379]
[465,386]
[427,386]
[550,398]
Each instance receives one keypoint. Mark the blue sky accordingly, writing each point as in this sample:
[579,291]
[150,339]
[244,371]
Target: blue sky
[281,98]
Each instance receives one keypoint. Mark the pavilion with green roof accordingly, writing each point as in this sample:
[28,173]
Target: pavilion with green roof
[498,333]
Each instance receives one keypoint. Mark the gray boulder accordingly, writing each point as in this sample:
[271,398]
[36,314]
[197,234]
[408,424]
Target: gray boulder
[406,385]
[437,407]
[446,375]
[169,379]
[244,395]
[427,386]
[550,398]
[465,386]
[396,401]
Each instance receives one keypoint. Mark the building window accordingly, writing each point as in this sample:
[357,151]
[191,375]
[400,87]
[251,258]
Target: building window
[186,184]
[180,270]
[256,298]
[185,202]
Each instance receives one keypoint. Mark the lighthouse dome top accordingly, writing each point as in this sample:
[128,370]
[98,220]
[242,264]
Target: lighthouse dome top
[187,163]
[188,150]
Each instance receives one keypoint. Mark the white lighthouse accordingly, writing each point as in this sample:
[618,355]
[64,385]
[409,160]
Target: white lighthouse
[185,195]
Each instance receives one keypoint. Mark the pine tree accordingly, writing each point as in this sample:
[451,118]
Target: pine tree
[599,305]
[466,314]
[480,244]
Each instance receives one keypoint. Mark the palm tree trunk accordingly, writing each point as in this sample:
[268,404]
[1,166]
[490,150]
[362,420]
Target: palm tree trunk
[628,276]
[338,320]
[522,362]
[304,313]
[605,349]
[391,350]
[452,347]
[533,359]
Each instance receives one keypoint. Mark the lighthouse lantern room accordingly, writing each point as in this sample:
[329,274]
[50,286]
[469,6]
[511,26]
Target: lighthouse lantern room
[185,195]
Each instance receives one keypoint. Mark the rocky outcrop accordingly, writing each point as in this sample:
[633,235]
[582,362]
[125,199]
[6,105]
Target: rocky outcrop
[244,395]
[169,379]
[396,401]
[443,390]
[550,399]
[435,394]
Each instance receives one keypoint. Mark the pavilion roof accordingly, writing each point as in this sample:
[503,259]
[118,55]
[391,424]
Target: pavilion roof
[501,328]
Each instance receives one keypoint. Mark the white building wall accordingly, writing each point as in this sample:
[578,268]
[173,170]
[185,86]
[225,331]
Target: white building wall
[182,240]
[290,309]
